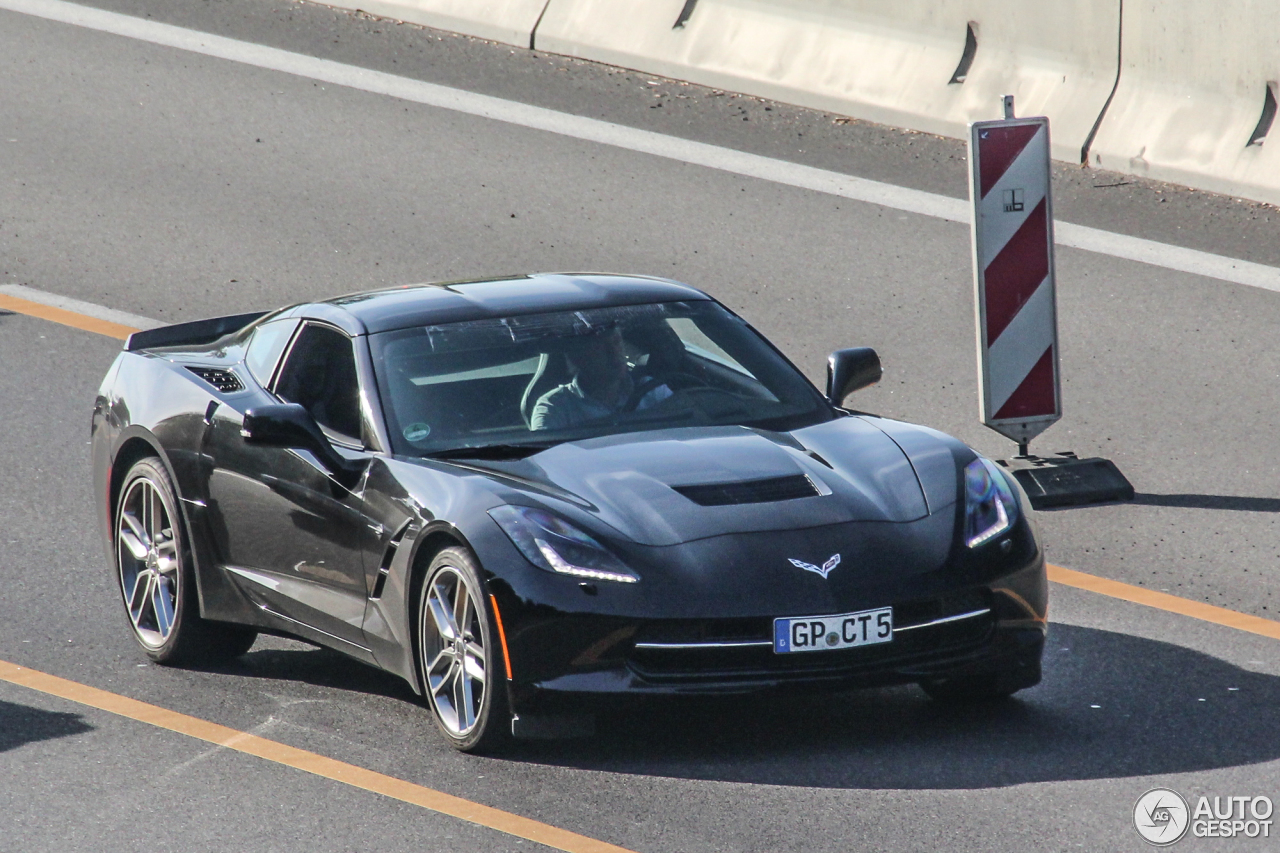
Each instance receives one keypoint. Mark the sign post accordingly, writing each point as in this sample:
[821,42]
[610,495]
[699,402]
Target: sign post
[1015,294]
[1016,306]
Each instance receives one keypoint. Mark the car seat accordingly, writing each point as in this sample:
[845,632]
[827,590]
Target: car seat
[552,371]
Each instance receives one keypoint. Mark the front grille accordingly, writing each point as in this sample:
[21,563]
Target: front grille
[224,380]
[750,491]
[742,649]
[684,631]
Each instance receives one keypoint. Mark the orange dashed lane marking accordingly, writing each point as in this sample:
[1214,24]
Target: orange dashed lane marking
[1165,601]
[65,317]
[309,762]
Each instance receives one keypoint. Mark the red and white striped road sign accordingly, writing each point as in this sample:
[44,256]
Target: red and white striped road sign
[1016,300]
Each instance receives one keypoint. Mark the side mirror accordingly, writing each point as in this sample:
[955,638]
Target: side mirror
[849,370]
[291,425]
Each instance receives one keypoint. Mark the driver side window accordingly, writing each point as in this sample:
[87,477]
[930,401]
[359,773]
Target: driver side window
[320,374]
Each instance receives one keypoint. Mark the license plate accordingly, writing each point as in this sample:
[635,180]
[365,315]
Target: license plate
[826,633]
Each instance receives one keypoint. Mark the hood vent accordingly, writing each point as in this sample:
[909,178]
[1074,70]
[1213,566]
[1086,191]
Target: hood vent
[224,380]
[751,491]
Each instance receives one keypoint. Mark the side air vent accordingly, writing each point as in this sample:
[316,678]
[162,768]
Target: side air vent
[224,380]
[384,570]
[750,491]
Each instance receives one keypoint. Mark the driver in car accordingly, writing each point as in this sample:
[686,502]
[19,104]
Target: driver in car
[602,386]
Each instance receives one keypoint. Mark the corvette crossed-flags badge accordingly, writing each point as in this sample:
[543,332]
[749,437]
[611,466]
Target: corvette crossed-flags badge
[824,569]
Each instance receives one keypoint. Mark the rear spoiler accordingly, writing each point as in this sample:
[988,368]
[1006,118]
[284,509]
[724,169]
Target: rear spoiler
[194,333]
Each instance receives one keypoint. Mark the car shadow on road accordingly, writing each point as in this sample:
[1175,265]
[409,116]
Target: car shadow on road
[317,666]
[1188,501]
[1237,503]
[22,724]
[1111,705]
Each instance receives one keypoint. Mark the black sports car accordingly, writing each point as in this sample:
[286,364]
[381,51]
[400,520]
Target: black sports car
[525,493]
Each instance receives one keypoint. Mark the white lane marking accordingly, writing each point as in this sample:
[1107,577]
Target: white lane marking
[89,309]
[629,138]
[1166,255]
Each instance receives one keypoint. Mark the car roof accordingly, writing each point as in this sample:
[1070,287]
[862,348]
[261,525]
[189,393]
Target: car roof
[413,305]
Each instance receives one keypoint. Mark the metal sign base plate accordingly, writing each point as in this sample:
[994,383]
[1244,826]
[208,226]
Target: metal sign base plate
[1065,480]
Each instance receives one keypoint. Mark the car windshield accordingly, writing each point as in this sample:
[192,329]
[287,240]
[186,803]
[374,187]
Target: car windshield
[516,384]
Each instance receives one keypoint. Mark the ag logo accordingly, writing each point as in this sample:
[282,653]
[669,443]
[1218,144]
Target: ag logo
[1161,816]
[824,569]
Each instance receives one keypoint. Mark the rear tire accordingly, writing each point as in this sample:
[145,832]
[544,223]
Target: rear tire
[157,578]
[459,658]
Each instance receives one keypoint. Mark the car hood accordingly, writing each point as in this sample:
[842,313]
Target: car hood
[630,483]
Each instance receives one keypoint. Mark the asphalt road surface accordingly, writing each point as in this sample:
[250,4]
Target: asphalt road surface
[177,186]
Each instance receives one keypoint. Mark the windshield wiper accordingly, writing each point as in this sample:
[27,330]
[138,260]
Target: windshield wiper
[491,451]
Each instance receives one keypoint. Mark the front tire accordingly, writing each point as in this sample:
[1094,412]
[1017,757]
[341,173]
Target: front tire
[984,687]
[458,655]
[156,576]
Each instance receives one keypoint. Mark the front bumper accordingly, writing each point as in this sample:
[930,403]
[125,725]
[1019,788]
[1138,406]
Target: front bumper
[703,623]
[968,633]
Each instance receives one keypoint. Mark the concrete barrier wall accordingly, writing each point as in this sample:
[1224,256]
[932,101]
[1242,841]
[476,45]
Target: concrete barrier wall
[888,61]
[507,21]
[1192,89]
[1193,80]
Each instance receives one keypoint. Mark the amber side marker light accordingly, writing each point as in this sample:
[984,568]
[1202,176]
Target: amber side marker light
[502,634]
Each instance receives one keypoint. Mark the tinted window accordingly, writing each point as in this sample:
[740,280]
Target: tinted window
[571,375]
[320,374]
[265,347]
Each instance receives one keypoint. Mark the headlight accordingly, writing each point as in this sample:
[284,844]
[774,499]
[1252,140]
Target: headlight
[989,505]
[554,544]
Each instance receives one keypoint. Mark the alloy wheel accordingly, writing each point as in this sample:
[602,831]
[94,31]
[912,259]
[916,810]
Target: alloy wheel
[147,554]
[453,652]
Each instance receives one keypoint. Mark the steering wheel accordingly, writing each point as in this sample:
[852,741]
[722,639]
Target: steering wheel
[682,381]
[714,402]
